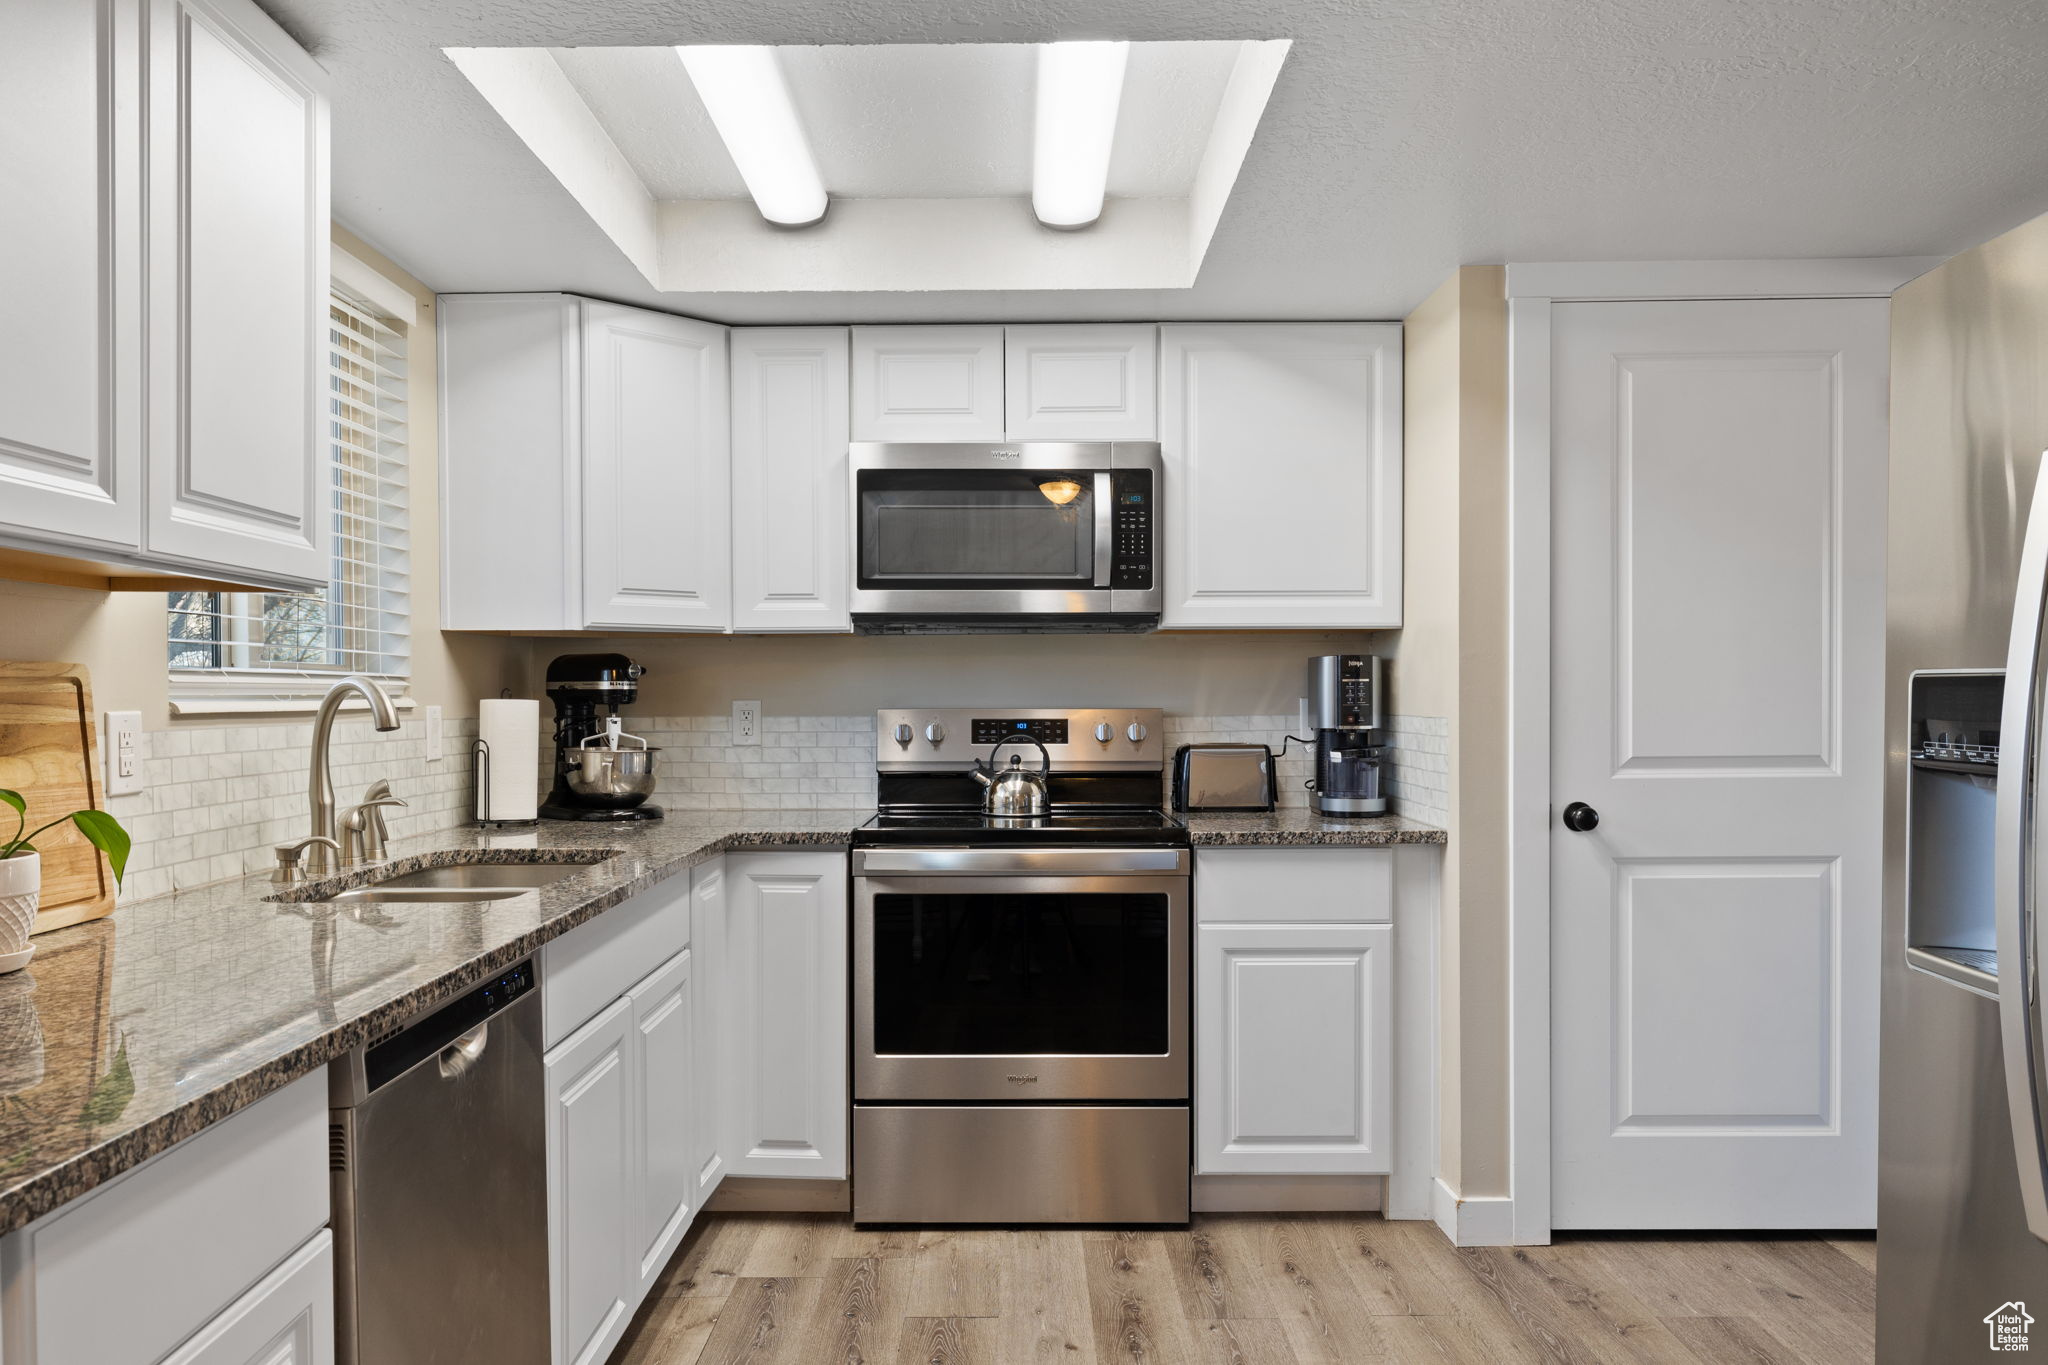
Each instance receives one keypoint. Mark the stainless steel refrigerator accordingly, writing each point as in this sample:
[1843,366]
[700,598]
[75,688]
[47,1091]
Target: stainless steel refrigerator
[1962,1221]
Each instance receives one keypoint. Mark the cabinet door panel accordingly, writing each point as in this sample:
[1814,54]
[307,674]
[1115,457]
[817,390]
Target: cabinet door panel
[287,1319]
[1282,453]
[1081,382]
[1293,1071]
[789,479]
[711,995]
[788,957]
[70,443]
[590,1167]
[655,465]
[237,450]
[665,1105]
[928,383]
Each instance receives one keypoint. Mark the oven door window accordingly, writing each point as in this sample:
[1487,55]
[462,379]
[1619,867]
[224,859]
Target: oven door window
[1013,975]
[969,529]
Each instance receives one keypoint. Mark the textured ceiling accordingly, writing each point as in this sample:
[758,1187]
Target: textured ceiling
[1403,138]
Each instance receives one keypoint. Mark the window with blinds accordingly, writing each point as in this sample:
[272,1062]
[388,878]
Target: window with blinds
[254,645]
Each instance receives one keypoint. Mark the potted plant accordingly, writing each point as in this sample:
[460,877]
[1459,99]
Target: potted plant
[21,870]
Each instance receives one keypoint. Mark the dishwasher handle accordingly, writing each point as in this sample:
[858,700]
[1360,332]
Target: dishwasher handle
[462,1054]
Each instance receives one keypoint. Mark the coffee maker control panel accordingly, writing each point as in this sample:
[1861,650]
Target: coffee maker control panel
[1345,691]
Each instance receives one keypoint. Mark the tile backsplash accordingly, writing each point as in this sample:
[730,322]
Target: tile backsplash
[219,797]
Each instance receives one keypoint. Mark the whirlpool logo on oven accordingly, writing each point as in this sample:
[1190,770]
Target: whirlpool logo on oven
[1007,455]
[1021,1080]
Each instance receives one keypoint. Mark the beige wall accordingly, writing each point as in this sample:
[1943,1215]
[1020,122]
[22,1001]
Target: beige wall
[120,637]
[1451,661]
[1195,673]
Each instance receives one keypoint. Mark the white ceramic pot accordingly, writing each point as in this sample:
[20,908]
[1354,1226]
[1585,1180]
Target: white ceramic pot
[21,886]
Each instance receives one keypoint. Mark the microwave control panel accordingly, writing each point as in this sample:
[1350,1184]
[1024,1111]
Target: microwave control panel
[1131,556]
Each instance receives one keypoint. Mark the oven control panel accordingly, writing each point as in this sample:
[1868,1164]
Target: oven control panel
[1080,739]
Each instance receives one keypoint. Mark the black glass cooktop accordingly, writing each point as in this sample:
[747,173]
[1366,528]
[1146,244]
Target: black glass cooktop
[1076,827]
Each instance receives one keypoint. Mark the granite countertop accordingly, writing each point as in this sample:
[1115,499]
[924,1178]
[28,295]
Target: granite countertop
[1292,828]
[134,1032]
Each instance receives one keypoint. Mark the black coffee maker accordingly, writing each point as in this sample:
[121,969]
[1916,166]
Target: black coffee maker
[1344,692]
[603,782]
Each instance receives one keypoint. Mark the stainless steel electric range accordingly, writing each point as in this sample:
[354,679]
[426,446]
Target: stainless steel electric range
[1021,984]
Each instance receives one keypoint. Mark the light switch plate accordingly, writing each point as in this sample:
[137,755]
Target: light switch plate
[746,722]
[121,738]
[433,734]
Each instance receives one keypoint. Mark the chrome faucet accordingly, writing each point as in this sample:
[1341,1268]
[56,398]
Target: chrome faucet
[320,784]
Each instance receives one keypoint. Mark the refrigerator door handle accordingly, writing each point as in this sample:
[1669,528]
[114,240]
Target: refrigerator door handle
[2018,862]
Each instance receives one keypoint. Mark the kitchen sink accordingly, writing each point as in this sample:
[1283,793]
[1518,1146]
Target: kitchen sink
[460,882]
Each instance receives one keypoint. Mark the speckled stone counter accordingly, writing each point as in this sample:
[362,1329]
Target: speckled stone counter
[129,1034]
[1290,828]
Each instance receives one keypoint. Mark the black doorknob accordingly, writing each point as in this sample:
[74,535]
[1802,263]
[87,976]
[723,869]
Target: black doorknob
[1581,818]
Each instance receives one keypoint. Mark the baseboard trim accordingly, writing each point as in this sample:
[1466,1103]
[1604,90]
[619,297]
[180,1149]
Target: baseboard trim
[1483,1222]
[1289,1193]
[765,1194]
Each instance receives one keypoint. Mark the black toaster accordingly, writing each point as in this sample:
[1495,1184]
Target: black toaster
[1223,777]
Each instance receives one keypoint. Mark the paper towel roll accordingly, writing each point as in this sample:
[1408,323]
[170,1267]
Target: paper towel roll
[511,726]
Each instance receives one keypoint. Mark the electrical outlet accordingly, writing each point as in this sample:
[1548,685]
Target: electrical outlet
[746,722]
[123,735]
[433,734]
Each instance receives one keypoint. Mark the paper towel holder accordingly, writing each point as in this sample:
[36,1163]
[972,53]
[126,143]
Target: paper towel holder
[480,749]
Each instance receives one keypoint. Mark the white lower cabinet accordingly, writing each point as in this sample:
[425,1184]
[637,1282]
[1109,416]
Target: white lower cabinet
[288,1319]
[710,990]
[786,968]
[590,1174]
[665,1105]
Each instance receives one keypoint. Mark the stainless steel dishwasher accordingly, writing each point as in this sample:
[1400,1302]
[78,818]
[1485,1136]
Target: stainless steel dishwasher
[439,1158]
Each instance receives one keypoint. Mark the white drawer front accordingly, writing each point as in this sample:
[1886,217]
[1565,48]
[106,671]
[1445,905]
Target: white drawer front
[126,1273]
[597,962]
[1294,885]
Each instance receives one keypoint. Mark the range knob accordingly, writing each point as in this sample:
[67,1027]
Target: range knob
[1103,733]
[935,732]
[1136,734]
[903,734]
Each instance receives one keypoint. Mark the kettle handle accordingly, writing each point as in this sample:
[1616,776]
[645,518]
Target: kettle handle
[1044,754]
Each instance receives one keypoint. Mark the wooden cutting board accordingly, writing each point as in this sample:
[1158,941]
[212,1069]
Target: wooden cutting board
[49,752]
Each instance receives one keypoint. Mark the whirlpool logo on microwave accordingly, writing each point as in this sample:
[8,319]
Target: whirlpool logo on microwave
[1006,454]
[1021,1080]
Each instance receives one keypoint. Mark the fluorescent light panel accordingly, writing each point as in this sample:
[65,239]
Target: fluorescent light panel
[748,100]
[1080,86]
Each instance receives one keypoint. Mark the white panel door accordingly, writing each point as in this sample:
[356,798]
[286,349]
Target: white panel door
[664,1194]
[237,449]
[928,383]
[590,1183]
[791,564]
[70,369]
[1717,651]
[286,1319]
[1081,382]
[787,957]
[711,994]
[1293,1049]
[655,465]
[1282,452]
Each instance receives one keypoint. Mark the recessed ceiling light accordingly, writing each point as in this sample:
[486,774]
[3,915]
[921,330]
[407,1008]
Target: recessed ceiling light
[1079,88]
[748,100]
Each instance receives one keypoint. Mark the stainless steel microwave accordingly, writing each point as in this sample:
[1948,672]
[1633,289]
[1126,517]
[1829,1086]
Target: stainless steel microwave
[1021,536]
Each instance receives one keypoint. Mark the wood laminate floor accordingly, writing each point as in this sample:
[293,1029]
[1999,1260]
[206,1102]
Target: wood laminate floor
[790,1289]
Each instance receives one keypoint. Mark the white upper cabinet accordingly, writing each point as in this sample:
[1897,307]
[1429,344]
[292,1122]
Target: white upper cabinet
[928,383]
[165,222]
[1282,451]
[70,446]
[1081,382]
[237,296]
[585,460]
[790,559]
[655,461]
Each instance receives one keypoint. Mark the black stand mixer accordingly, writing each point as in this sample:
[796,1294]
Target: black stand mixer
[600,773]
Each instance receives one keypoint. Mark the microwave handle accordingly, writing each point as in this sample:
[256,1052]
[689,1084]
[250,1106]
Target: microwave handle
[1105,525]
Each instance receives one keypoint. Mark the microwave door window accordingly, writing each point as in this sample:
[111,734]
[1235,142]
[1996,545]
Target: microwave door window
[1033,530]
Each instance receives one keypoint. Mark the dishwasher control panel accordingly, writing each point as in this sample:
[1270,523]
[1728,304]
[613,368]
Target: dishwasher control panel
[495,995]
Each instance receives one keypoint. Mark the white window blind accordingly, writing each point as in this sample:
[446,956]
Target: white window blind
[289,646]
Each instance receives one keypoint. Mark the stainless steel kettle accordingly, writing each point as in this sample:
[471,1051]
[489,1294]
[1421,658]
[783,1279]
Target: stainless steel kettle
[1015,791]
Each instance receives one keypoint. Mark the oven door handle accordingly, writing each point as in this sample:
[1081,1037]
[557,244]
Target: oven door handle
[1010,862]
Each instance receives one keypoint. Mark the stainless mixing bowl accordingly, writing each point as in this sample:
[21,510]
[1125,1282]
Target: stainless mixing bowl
[612,778]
